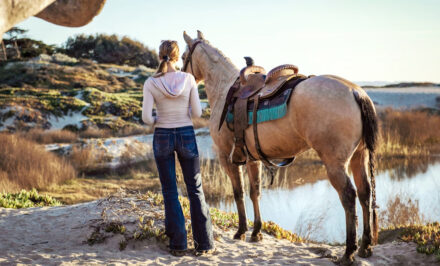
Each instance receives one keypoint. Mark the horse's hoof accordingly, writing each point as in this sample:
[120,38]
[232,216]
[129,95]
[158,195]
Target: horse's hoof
[256,237]
[365,252]
[240,236]
[345,261]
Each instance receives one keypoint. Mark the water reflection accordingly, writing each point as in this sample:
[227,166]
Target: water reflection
[307,204]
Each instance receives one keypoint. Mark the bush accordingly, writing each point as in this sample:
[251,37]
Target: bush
[111,49]
[27,165]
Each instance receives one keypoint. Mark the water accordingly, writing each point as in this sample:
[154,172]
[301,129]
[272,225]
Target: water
[314,209]
[406,98]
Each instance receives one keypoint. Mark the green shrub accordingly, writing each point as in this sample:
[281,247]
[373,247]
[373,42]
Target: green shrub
[26,199]
[111,49]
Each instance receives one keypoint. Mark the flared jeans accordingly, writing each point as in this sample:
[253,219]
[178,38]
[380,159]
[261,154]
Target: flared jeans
[182,141]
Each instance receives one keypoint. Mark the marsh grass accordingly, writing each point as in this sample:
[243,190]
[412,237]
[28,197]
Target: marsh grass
[26,165]
[50,136]
[93,133]
[401,211]
[200,122]
[85,159]
[408,133]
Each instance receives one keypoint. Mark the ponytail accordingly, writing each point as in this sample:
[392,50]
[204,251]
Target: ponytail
[163,67]
[168,51]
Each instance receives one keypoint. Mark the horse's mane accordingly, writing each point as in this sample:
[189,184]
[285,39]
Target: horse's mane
[218,52]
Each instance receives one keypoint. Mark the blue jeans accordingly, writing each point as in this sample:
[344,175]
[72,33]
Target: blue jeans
[182,141]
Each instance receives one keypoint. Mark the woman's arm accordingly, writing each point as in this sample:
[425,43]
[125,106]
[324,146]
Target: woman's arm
[196,107]
[147,106]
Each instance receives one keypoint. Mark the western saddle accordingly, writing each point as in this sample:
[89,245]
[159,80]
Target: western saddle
[251,88]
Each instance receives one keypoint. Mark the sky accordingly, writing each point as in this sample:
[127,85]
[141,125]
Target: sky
[360,40]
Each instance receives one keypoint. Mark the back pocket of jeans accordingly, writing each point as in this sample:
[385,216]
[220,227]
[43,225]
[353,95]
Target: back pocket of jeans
[161,145]
[188,145]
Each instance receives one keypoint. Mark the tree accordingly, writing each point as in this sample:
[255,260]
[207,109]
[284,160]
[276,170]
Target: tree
[14,33]
[17,45]
[111,49]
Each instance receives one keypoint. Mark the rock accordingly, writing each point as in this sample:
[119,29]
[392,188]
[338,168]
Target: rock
[71,13]
[15,11]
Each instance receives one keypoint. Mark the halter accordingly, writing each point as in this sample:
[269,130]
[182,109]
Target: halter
[188,59]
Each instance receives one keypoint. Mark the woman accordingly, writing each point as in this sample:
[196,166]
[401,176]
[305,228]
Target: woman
[176,97]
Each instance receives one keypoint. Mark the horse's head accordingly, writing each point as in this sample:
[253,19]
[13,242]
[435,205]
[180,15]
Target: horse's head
[191,55]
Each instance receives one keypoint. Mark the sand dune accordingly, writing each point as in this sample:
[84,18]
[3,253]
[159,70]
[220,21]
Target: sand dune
[57,235]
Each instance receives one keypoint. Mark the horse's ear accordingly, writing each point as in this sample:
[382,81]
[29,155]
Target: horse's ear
[187,39]
[200,35]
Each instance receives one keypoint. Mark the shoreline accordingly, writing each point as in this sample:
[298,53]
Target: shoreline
[58,235]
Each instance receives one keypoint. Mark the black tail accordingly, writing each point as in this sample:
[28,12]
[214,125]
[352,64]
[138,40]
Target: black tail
[370,132]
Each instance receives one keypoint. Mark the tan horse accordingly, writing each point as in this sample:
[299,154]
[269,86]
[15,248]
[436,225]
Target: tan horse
[326,113]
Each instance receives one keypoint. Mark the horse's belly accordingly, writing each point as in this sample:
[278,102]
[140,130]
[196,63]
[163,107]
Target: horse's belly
[277,139]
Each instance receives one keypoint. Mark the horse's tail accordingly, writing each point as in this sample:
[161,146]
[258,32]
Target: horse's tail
[370,134]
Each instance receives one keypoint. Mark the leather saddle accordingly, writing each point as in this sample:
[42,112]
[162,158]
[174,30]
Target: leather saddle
[252,87]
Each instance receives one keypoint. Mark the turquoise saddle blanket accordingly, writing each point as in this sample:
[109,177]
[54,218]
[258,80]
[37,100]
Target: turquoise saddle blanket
[268,109]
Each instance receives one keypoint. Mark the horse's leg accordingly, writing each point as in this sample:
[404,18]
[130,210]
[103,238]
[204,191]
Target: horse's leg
[235,174]
[339,179]
[359,168]
[254,173]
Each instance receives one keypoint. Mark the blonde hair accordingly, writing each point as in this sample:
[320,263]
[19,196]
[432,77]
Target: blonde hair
[168,52]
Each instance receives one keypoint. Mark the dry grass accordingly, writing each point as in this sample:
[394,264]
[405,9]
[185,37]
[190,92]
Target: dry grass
[406,133]
[401,211]
[200,122]
[93,133]
[25,164]
[50,136]
[131,131]
[88,189]
[216,183]
[83,159]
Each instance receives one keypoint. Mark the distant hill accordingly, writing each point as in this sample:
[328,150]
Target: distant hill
[57,91]
[403,85]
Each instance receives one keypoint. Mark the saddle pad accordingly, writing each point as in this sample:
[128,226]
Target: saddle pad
[268,109]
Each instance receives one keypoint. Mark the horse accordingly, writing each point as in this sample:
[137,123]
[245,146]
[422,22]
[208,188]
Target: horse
[327,113]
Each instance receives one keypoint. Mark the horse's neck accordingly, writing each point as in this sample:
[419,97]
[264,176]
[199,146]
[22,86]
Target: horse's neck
[219,77]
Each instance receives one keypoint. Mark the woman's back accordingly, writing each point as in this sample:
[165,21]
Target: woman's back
[176,97]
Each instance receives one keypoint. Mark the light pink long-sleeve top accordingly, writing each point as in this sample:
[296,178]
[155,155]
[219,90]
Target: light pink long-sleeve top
[176,97]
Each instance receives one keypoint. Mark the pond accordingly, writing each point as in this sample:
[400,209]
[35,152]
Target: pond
[313,209]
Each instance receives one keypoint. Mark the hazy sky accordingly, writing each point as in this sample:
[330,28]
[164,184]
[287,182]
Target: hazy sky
[361,40]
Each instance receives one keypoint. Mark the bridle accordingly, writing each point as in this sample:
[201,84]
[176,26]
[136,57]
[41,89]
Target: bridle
[188,59]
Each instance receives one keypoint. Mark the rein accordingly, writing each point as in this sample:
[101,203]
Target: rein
[188,59]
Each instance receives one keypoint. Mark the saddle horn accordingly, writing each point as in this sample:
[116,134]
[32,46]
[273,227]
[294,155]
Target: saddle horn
[250,69]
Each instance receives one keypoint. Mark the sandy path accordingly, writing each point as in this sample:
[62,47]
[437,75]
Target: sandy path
[55,236]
